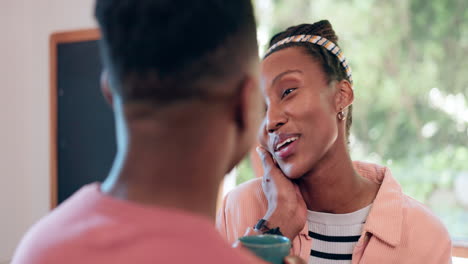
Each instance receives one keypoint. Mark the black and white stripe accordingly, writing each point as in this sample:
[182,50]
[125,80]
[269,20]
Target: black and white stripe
[334,236]
[323,245]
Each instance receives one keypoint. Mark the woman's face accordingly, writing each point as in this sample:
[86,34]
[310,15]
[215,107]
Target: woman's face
[300,126]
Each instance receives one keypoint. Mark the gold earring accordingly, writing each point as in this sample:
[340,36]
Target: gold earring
[341,115]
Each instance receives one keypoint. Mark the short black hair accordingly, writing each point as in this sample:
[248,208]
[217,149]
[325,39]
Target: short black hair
[159,50]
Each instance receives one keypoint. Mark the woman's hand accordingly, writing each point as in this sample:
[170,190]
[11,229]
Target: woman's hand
[286,207]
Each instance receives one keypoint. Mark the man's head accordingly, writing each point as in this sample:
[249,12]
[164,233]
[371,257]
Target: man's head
[161,53]
[164,50]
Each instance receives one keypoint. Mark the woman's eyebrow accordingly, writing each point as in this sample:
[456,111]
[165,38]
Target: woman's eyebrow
[284,73]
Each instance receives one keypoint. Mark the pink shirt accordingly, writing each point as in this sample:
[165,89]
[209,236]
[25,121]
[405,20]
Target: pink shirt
[91,227]
[398,229]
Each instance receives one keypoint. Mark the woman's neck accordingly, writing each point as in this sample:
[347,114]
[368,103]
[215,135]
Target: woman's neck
[333,186]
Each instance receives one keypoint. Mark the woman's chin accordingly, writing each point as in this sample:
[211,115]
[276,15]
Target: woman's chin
[291,172]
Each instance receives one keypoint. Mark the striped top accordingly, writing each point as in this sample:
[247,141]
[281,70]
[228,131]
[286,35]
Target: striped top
[335,235]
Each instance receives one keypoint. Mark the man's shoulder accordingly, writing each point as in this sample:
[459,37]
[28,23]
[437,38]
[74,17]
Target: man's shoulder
[66,229]
[101,238]
[46,240]
[150,247]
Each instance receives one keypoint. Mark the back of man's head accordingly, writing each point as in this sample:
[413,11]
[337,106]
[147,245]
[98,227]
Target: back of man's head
[161,51]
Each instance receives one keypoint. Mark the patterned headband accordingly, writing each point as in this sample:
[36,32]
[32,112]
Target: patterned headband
[318,40]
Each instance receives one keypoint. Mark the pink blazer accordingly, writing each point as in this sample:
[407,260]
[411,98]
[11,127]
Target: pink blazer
[398,229]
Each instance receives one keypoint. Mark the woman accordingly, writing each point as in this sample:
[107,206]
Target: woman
[334,210]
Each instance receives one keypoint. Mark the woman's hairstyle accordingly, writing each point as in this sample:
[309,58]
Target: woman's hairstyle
[328,61]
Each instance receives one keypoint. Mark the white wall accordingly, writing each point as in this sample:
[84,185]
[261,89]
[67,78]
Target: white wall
[25,27]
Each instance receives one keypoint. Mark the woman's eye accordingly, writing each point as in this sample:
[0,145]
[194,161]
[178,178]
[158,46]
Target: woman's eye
[287,91]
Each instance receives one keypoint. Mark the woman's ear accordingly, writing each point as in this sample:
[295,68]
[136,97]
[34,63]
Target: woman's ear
[344,95]
[105,88]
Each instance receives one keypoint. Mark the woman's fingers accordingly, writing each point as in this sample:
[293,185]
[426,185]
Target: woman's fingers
[273,180]
[266,158]
[270,168]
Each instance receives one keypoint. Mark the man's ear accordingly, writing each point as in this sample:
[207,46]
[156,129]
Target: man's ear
[105,88]
[246,102]
[344,95]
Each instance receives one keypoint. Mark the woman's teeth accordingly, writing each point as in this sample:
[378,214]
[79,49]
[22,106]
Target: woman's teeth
[287,141]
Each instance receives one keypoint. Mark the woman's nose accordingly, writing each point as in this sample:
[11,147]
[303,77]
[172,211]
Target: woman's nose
[275,118]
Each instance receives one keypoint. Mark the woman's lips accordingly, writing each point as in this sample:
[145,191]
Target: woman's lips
[287,150]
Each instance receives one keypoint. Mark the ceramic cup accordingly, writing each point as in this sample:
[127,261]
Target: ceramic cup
[271,248]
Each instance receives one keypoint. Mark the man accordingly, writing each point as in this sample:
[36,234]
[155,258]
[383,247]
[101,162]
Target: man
[181,77]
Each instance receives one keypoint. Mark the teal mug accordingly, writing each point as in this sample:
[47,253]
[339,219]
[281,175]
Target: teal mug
[271,248]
